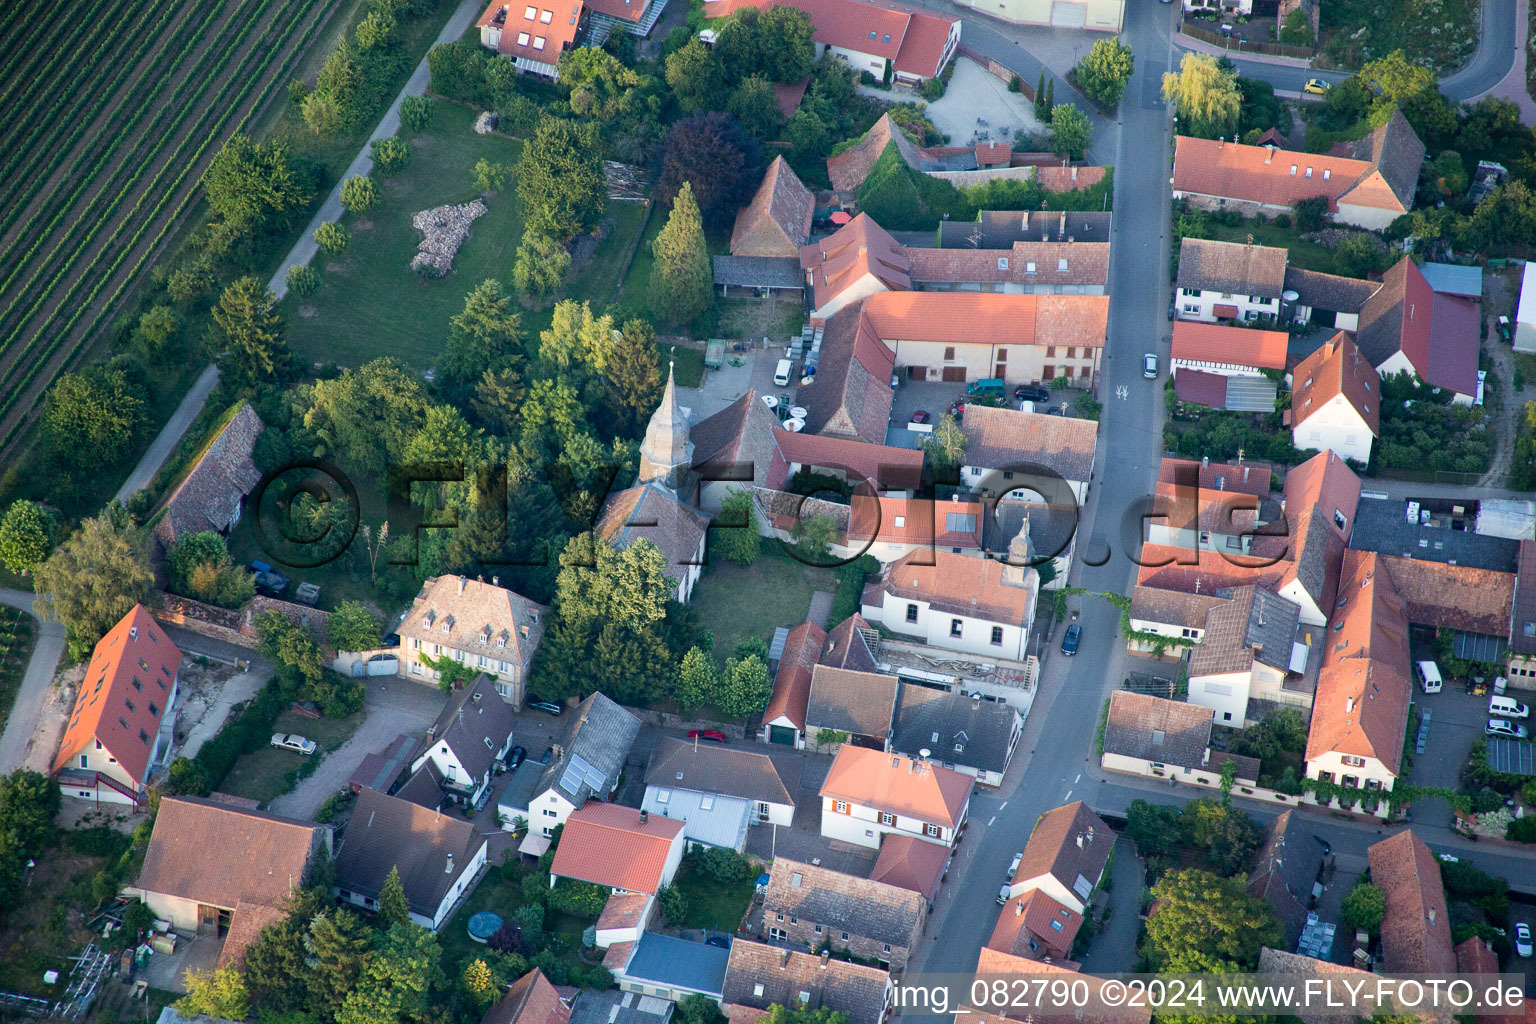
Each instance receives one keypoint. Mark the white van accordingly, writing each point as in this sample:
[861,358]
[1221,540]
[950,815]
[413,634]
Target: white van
[1507,707]
[1429,676]
[781,373]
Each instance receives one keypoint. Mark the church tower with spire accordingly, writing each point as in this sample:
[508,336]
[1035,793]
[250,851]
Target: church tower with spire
[666,454]
[1017,570]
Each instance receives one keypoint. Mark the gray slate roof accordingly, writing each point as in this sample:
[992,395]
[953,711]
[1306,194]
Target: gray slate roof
[759,271]
[1383,526]
[678,962]
[387,832]
[709,768]
[424,788]
[600,733]
[861,703]
[999,229]
[844,903]
[475,723]
[1256,625]
[1284,870]
[1209,265]
[939,722]
[1329,291]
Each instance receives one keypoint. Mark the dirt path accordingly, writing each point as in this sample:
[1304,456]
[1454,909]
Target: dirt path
[152,233]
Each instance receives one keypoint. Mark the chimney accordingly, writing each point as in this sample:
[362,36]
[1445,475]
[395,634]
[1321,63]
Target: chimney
[1079,840]
[1431,915]
[1349,703]
[1074,174]
[1018,908]
[1205,461]
[863,250]
[826,954]
[1061,230]
[1269,154]
[495,581]
[1245,473]
[1024,224]
[784,959]
[475,696]
[463,582]
[431,732]
[645,816]
[449,869]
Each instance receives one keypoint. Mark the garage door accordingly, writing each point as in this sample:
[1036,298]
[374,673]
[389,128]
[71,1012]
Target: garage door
[1069,15]
[954,374]
[781,734]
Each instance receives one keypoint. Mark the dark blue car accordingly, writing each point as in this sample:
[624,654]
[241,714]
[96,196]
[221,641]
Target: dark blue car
[1069,642]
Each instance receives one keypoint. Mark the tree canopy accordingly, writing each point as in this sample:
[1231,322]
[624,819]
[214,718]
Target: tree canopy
[1200,915]
[1102,74]
[682,283]
[1205,96]
[560,178]
[91,418]
[26,535]
[254,186]
[717,157]
[253,349]
[95,577]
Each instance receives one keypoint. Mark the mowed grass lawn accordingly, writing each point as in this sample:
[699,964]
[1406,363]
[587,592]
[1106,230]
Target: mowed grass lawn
[1306,255]
[734,603]
[268,773]
[371,303]
[712,904]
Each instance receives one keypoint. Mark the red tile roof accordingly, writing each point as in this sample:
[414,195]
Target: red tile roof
[1198,387]
[956,585]
[778,220]
[610,846]
[1067,179]
[1240,346]
[792,683]
[1337,369]
[1438,333]
[530,1000]
[127,687]
[882,466]
[1447,596]
[989,318]
[1026,263]
[921,521]
[1246,477]
[1031,917]
[912,40]
[848,169]
[624,10]
[910,863]
[1067,842]
[1327,482]
[890,782]
[1167,567]
[1416,932]
[850,395]
[1261,174]
[789,96]
[858,249]
[522,25]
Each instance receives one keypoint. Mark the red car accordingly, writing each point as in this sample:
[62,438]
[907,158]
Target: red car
[713,735]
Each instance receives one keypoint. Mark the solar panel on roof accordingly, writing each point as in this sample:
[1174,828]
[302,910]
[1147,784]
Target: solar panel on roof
[960,522]
[579,773]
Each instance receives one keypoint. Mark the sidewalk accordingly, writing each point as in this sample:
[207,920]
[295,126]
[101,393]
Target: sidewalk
[305,248]
[1201,46]
[170,435]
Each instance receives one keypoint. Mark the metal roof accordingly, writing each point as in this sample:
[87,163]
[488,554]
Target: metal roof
[1513,757]
[758,271]
[1250,394]
[678,964]
[723,823]
[1451,279]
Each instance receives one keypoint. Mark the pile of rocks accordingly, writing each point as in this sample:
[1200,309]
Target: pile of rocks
[486,122]
[445,228]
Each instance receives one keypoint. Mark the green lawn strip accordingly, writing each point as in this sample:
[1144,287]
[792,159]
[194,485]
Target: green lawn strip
[18,634]
[268,773]
[735,603]
[712,904]
[370,302]
[637,281]
[688,364]
[1303,254]
[599,280]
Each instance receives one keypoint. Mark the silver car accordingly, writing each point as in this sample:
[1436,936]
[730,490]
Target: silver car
[1149,366]
[1507,729]
[293,741]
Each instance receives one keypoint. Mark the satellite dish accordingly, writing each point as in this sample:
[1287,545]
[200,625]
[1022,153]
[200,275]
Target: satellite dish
[1290,296]
[924,753]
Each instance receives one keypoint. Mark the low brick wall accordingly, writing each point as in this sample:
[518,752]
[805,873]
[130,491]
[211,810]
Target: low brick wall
[234,626]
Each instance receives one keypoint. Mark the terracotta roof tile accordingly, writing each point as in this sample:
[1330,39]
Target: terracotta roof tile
[530,1000]
[1006,438]
[1169,567]
[1333,370]
[610,846]
[1035,917]
[1246,477]
[956,585]
[863,907]
[859,249]
[127,686]
[1173,607]
[1261,174]
[911,863]
[1522,622]
[778,220]
[1416,932]
[882,466]
[556,22]
[1221,512]
[1476,956]
[1067,843]
[848,169]
[1199,387]
[652,513]
[1068,179]
[781,975]
[1255,626]
[1207,265]
[1324,481]
[912,521]
[245,927]
[1395,154]
[914,41]
[744,432]
[1087,263]
[1449,596]
[850,396]
[848,645]
[792,682]
[1438,333]
[989,318]
[1219,343]
[890,782]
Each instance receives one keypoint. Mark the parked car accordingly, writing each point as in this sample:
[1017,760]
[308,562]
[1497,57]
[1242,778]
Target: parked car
[269,582]
[1316,86]
[516,757]
[544,758]
[1173,311]
[1522,939]
[921,416]
[549,707]
[1013,865]
[1069,642]
[1149,366]
[1505,728]
[1032,393]
[1506,332]
[293,741]
[713,735]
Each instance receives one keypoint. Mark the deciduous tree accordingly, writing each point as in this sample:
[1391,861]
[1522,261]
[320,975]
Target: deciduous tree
[286,642]
[576,341]
[220,994]
[200,567]
[1205,95]
[1069,131]
[352,627]
[359,194]
[745,687]
[541,265]
[682,284]
[26,535]
[1102,74]
[390,155]
[1364,907]
[1201,914]
[560,178]
[717,157]
[90,418]
[734,535]
[366,415]
[95,577]
[697,80]
[756,106]
[697,683]
[254,186]
[332,238]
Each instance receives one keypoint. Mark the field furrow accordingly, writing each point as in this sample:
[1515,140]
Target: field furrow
[41,38]
[32,88]
[113,262]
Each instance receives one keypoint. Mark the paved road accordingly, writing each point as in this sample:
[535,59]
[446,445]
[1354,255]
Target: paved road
[305,248]
[1489,64]
[16,742]
[170,435]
